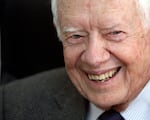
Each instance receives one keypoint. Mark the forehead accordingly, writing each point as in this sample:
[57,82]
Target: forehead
[94,12]
[67,5]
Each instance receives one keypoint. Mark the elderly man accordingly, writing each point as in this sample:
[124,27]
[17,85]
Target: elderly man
[106,47]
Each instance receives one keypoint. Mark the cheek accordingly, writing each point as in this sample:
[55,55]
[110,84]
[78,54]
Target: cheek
[132,57]
[127,52]
[71,56]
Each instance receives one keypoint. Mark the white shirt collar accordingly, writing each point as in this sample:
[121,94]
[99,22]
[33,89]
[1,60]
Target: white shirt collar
[94,112]
[139,108]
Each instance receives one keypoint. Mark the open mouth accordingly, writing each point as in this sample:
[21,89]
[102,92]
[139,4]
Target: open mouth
[105,76]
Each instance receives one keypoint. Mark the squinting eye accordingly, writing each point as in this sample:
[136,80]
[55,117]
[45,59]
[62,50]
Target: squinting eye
[75,39]
[116,35]
[115,32]
[76,36]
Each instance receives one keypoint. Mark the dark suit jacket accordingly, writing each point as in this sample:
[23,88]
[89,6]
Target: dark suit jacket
[46,96]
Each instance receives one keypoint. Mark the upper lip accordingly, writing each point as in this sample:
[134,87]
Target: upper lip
[101,71]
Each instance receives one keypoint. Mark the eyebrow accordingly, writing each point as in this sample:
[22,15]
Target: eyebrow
[74,29]
[70,29]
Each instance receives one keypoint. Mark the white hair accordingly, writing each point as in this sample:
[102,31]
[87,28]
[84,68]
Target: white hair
[144,9]
[54,10]
[142,5]
[55,16]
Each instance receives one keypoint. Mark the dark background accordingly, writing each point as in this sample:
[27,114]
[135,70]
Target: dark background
[29,41]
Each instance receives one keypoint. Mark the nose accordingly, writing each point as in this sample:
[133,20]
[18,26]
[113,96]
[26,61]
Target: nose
[95,53]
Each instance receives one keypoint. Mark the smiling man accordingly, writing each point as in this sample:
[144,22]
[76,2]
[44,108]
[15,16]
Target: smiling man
[106,46]
[106,49]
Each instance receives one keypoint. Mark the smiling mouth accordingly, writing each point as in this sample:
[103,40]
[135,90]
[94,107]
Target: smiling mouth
[105,76]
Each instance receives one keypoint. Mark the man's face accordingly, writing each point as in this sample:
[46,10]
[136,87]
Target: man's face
[106,49]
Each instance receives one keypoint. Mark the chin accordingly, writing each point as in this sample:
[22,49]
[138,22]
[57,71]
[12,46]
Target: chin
[107,101]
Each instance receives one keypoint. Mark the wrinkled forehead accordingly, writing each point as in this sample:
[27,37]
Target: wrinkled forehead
[79,12]
[84,5]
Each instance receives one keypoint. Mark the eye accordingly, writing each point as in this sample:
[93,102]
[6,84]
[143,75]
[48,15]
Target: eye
[116,35]
[75,38]
[115,32]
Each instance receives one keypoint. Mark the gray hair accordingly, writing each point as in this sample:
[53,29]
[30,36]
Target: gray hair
[142,5]
[55,16]
[144,9]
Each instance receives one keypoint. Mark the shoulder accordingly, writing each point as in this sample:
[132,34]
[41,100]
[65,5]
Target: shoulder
[40,87]
[41,96]
[46,81]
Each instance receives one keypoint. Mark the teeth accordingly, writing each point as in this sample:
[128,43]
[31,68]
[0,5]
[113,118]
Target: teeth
[103,77]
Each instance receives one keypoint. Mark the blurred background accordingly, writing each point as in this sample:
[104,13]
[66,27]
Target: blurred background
[28,39]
